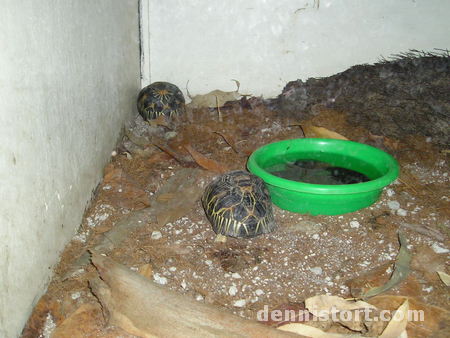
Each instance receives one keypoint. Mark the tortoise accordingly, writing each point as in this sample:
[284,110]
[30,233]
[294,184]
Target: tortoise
[238,205]
[160,98]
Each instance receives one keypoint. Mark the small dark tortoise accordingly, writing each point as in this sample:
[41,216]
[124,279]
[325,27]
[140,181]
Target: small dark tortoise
[238,205]
[160,98]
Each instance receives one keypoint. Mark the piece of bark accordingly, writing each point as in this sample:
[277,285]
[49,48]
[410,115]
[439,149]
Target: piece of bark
[178,196]
[45,308]
[146,309]
[114,237]
[83,322]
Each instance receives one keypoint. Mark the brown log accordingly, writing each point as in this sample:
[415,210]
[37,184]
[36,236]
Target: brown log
[143,308]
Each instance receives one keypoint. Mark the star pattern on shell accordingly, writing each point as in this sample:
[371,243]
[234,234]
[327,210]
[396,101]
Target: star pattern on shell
[238,205]
[160,98]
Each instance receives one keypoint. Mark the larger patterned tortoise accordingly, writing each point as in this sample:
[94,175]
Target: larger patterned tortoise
[238,205]
[160,98]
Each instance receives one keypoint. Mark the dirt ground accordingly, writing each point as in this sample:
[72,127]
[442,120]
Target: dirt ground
[146,214]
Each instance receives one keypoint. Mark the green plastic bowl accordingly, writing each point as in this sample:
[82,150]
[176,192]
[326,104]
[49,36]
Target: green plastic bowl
[320,199]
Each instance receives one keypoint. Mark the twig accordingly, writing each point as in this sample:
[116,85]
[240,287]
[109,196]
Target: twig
[179,158]
[218,109]
[227,141]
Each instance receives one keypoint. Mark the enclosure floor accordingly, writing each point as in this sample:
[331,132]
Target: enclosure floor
[307,255]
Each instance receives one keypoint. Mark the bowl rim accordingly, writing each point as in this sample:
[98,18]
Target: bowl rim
[322,189]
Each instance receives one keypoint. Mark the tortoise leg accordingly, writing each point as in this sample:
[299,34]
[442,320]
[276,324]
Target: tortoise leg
[220,238]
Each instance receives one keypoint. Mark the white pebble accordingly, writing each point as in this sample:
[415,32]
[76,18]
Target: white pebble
[156,235]
[402,212]
[317,270]
[159,279]
[428,289]
[390,192]
[114,153]
[208,262]
[236,275]
[259,292]
[240,303]
[75,295]
[199,298]
[354,224]
[439,249]
[183,284]
[393,205]
[315,236]
[232,291]
[173,269]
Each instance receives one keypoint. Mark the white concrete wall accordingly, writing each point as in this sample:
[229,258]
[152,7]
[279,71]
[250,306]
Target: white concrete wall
[266,43]
[69,75]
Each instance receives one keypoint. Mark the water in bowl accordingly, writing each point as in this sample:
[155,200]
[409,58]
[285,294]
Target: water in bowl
[316,172]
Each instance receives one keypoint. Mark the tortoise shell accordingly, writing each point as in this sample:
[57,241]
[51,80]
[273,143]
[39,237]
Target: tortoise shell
[160,98]
[238,205]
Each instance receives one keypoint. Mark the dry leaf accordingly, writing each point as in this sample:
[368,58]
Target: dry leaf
[325,305]
[146,270]
[381,275]
[229,140]
[425,320]
[444,277]
[176,156]
[397,325]
[205,162]
[401,270]
[309,331]
[214,99]
[321,132]
[296,314]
